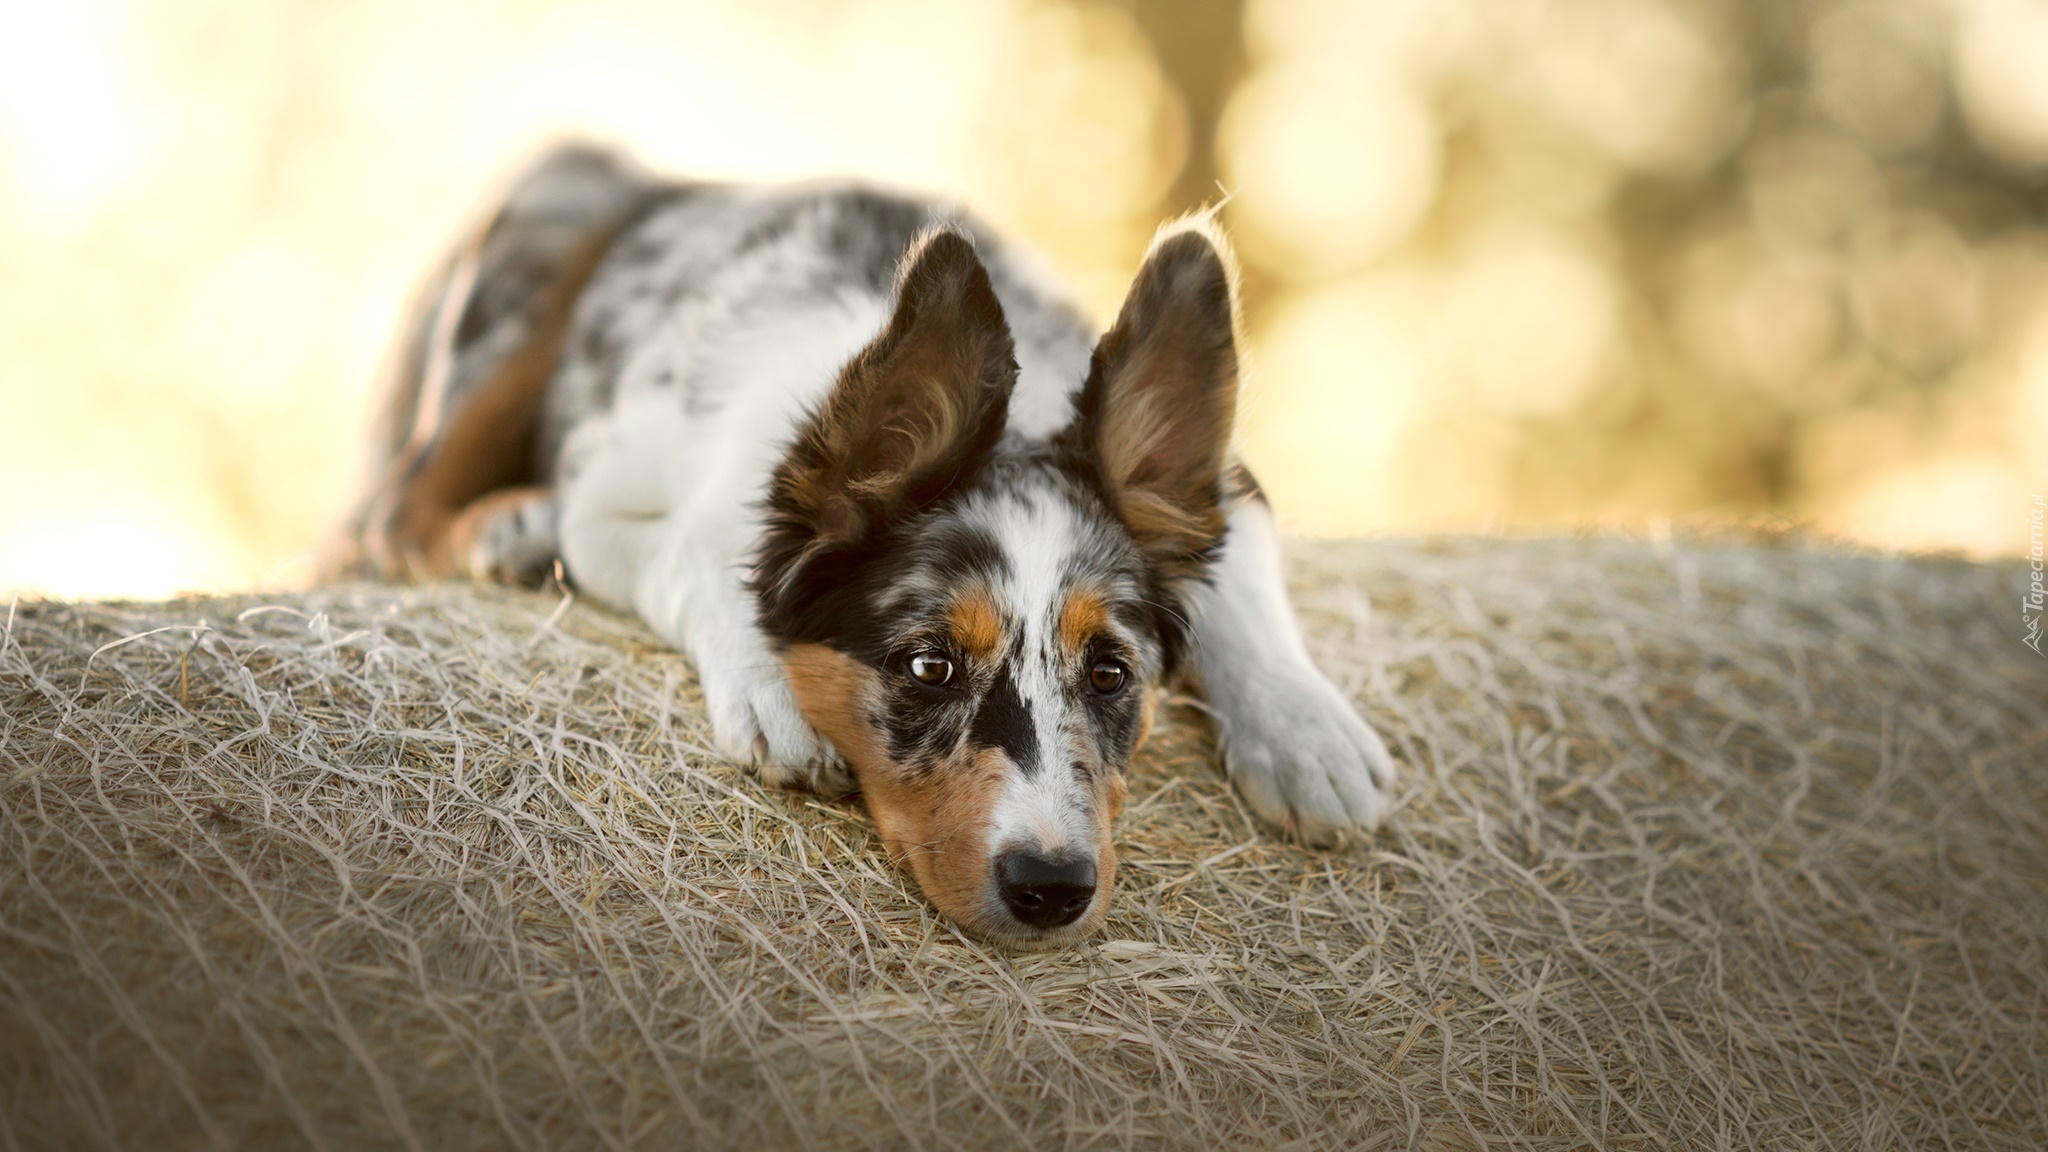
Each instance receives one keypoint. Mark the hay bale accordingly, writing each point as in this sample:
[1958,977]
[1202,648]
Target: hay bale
[1699,847]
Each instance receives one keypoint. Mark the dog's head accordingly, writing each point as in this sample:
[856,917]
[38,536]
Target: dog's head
[979,634]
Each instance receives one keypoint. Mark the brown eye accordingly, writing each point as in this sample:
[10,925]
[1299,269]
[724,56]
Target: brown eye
[931,669]
[1107,677]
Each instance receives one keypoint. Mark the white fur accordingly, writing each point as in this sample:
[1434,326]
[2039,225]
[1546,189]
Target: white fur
[1045,808]
[1295,748]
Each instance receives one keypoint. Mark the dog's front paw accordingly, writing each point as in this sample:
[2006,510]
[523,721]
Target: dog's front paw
[755,723]
[1302,758]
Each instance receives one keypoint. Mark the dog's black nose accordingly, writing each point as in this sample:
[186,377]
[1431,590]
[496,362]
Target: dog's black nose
[1045,893]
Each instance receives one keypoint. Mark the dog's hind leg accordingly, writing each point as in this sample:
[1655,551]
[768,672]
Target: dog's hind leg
[509,536]
[454,493]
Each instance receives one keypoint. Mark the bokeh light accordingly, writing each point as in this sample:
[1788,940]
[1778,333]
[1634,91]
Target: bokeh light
[1328,168]
[1528,264]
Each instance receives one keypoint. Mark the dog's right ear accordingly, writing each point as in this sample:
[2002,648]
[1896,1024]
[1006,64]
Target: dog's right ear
[915,414]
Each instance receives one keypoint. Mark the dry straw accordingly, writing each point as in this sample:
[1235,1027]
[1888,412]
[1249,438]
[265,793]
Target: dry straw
[1699,847]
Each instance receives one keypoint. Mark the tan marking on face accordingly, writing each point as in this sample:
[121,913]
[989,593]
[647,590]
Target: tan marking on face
[1148,710]
[937,825]
[1110,790]
[1114,792]
[1082,619]
[835,692]
[976,626]
[934,823]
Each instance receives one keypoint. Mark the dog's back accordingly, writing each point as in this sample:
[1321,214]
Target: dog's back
[597,295]
[778,287]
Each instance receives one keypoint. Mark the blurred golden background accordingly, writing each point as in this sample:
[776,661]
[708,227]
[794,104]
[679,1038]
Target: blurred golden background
[1511,264]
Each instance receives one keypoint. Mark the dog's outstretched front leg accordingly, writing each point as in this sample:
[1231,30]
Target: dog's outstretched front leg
[700,603]
[1296,748]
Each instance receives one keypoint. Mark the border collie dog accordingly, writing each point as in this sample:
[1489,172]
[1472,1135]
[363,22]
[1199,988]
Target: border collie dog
[922,532]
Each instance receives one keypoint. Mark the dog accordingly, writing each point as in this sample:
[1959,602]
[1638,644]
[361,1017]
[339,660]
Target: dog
[923,534]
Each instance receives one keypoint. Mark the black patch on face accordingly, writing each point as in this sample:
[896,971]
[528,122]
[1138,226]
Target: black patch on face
[922,723]
[959,553]
[1004,721]
[1114,719]
[835,599]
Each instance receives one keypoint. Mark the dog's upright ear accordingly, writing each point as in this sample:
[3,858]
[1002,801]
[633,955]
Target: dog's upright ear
[1155,415]
[916,413]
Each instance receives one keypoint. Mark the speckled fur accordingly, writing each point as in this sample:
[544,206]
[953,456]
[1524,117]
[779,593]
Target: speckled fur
[809,433]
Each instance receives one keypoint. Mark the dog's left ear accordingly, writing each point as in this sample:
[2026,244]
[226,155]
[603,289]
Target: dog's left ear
[1161,396]
[914,414]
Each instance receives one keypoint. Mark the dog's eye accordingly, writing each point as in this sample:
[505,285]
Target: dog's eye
[1107,677]
[931,669]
